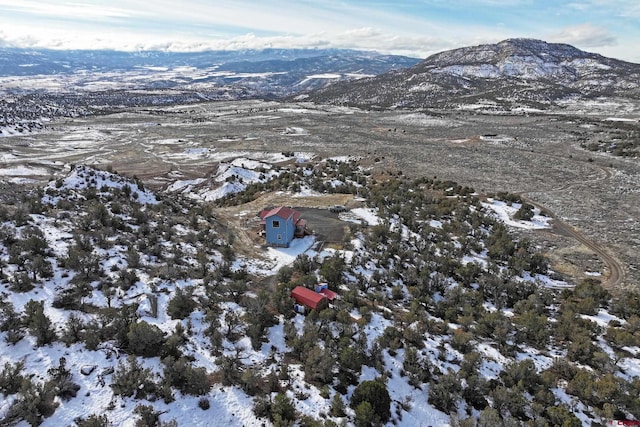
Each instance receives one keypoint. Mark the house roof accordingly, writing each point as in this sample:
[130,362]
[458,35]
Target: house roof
[307,297]
[282,212]
[328,293]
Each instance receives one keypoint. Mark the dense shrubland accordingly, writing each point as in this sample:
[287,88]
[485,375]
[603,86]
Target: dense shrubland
[620,138]
[437,296]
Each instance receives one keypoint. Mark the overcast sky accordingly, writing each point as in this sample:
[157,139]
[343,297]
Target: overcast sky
[409,27]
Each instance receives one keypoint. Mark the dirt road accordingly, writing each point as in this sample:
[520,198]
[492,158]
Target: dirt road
[616,275]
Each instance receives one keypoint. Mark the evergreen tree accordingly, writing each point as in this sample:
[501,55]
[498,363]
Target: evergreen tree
[93,420]
[443,392]
[332,269]
[182,304]
[182,375]
[11,323]
[34,403]
[131,379]
[337,406]
[145,339]
[38,323]
[415,368]
[375,393]
[283,413]
[11,378]
[62,380]
[366,415]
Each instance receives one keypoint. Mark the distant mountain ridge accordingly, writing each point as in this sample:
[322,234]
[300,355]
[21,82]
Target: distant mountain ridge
[18,61]
[513,72]
[275,72]
[38,85]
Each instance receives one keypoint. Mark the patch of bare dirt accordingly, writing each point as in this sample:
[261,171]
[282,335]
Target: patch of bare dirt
[244,223]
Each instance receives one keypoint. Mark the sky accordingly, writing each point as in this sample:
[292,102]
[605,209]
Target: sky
[416,28]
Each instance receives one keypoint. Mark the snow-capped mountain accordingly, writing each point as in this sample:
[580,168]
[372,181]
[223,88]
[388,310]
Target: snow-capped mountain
[510,73]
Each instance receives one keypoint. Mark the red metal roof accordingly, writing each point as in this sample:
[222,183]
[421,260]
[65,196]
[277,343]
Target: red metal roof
[283,212]
[264,212]
[328,293]
[307,297]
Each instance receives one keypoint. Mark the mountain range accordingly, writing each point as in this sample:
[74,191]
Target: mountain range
[268,72]
[511,73]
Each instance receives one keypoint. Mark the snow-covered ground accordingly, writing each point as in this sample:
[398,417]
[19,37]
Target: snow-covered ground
[23,171]
[82,177]
[236,171]
[505,212]
[367,214]
[623,119]
[276,258]
[421,119]
[295,131]
[230,405]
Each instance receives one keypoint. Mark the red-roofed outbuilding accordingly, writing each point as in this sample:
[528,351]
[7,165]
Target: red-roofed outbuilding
[328,293]
[323,289]
[309,298]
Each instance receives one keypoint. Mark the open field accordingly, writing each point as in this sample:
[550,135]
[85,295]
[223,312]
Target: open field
[595,197]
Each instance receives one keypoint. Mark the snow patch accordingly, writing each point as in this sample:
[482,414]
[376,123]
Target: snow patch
[505,213]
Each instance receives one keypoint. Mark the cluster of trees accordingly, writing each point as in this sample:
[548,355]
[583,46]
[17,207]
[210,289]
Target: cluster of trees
[105,224]
[131,379]
[437,268]
[318,178]
[423,272]
[35,400]
[27,252]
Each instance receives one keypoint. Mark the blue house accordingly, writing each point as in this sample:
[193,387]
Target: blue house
[281,225]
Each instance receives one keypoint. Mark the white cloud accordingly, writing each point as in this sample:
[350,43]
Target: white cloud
[585,36]
[68,10]
[404,27]
[631,10]
[358,38]
[611,8]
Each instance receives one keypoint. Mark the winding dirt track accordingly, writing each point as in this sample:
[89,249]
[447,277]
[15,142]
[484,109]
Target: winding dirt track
[616,274]
[616,270]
